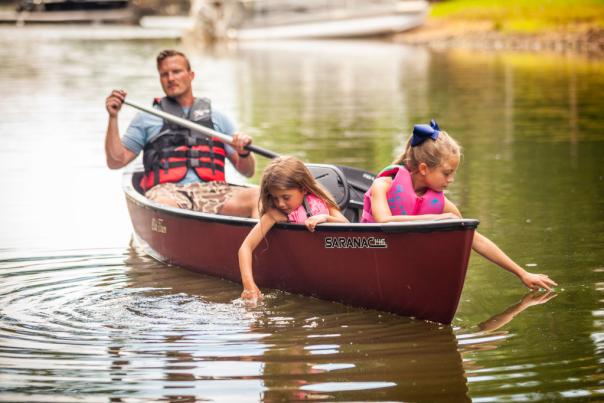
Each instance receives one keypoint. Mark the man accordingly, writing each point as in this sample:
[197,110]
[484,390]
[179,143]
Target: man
[182,168]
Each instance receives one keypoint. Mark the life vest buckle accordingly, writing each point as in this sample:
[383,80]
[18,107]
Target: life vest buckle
[193,163]
[190,140]
[165,165]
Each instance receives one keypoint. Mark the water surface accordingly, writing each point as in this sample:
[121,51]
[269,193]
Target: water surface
[86,317]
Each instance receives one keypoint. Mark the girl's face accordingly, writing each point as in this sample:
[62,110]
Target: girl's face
[441,176]
[287,200]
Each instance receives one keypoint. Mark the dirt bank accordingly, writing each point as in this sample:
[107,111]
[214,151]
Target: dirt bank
[479,35]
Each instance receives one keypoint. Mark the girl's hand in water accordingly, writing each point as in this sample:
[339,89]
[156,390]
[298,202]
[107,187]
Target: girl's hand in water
[312,222]
[252,295]
[536,281]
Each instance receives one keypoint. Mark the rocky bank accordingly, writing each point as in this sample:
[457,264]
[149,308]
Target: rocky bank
[481,35]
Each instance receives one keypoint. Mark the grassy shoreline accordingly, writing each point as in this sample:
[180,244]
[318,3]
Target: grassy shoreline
[525,16]
[533,25]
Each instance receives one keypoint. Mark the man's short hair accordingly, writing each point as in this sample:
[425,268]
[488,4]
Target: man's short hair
[164,54]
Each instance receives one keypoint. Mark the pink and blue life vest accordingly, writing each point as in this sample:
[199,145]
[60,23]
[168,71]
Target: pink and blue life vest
[402,198]
[312,205]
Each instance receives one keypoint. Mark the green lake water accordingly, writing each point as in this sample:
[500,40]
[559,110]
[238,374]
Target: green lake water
[84,316]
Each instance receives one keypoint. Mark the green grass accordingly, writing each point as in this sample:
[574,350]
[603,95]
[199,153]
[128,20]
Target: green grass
[525,15]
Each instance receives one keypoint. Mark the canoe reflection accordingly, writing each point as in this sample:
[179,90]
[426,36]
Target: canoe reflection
[324,352]
[297,348]
[311,349]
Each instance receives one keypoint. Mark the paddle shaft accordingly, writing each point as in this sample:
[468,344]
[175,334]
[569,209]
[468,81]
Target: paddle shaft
[359,179]
[199,128]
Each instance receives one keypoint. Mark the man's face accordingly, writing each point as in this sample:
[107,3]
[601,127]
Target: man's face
[174,76]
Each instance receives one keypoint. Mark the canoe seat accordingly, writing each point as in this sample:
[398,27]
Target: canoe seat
[333,179]
[346,189]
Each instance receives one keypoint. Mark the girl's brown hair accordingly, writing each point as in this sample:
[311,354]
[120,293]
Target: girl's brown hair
[430,152]
[289,173]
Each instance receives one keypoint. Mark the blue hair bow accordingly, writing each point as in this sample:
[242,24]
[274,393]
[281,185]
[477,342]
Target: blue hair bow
[423,132]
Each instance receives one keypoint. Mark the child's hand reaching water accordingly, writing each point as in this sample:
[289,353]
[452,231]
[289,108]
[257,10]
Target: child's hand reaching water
[252,295]
[536,281]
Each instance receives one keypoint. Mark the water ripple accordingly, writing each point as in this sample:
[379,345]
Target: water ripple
[116,323]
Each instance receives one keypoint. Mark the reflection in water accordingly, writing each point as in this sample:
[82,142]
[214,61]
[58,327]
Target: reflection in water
[344,356]
[530,299]
[311,349]
[130,327]
[321,100]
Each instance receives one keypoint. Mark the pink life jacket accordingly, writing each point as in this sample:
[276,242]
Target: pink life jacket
[402,198]
[312,206]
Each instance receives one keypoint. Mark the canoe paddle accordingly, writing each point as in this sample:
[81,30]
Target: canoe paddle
[199,128]
[357,178]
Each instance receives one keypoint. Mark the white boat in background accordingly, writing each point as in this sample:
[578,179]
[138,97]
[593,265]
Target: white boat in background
[70,11]
[298,19]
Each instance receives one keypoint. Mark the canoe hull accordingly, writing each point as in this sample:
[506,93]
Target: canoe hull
[413,270]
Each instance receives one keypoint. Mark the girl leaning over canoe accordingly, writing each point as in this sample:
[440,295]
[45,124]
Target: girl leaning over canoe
[288,193]
[412,189]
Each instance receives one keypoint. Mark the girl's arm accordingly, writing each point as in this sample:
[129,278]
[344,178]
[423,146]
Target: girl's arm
[381,212]
[251,241]
[490,251]
[334,216]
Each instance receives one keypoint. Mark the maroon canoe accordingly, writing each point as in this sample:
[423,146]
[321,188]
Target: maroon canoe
[412,269]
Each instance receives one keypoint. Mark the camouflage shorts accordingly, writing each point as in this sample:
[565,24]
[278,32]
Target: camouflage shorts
[206,197]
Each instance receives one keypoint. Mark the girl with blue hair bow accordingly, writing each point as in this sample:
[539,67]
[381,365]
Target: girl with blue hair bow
[411,189]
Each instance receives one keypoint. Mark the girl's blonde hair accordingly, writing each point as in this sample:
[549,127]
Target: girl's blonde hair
[430,152]
[285,173]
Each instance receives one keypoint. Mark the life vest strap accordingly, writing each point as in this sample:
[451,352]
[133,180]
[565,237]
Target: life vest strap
[306,207]
[190,153]
[166,165]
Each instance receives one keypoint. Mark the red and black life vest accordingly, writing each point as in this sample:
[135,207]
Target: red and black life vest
[168,157]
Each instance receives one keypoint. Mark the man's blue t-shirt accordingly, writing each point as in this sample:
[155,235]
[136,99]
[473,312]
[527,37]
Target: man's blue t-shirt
[145,127]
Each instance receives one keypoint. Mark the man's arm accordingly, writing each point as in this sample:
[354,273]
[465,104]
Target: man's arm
[243,163]
[116,154]
[242,159]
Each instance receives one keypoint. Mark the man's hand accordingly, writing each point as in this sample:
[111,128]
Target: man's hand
[241,140]
[243,161]
[116,154]
[114,102]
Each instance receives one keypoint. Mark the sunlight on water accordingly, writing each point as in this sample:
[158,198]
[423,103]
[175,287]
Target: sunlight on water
[344,386]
